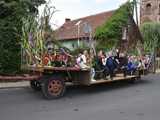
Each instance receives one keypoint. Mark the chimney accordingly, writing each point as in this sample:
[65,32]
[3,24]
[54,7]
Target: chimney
[67,20]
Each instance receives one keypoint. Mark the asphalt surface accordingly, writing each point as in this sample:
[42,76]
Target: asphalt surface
[118,101]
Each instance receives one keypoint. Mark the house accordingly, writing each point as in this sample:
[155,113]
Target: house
[76,33]
[73,34]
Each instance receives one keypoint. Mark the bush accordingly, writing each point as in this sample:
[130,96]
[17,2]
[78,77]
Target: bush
[9,45]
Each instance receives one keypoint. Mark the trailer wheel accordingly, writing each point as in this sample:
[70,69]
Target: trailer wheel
[35,85]
[53,88]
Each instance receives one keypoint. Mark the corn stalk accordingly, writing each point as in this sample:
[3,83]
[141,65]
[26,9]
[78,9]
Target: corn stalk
[33,37]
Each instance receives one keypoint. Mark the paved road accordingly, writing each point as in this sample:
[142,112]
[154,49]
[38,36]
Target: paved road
[119,101]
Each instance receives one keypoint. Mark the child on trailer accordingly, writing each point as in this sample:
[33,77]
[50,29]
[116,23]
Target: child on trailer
[82,60]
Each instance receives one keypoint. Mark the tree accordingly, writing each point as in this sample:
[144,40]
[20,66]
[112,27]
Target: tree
[151,35]
[11,14]
[109,34]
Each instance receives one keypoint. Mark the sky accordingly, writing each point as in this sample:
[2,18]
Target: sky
[74,9]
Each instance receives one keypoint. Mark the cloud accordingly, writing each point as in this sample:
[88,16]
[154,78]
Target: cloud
[68,1]
[103,1]
[100,1]
[78,8]
[122,1]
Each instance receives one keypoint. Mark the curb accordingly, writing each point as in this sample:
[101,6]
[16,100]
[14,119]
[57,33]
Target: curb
[14,84]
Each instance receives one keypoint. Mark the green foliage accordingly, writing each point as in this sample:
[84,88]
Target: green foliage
[133,52]
[36,35]
[11,14]
[109,34]
[78,50]
[31,40]
[151,35]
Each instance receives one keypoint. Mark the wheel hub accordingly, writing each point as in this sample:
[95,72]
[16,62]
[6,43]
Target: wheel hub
[55,87]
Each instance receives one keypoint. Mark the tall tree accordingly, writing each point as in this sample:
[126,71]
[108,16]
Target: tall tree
[151,35]
[11,14]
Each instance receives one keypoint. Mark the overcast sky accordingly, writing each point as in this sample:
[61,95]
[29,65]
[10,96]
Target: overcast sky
[79,8]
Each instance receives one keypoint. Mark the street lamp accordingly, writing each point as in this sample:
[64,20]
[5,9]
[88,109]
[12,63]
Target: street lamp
[78,25]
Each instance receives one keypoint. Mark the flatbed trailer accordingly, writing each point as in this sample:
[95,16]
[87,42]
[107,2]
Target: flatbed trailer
[52,81]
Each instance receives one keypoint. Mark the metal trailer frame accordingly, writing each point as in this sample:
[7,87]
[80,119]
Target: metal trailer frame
[52,81]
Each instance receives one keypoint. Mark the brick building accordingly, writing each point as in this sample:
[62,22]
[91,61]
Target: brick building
[73,31]
[149,11]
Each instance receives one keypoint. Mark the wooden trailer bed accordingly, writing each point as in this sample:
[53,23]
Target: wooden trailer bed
[52,81]
[117,78]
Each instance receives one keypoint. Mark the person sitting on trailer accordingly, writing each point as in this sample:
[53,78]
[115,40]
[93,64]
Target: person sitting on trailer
[82,61]
[100,67]
[147,61]
[97,66]
[101,59]
[111,64]
[123,61]
[131,66]
[87,57]
[105,67]
[141,64]
[117,52]
[65,57]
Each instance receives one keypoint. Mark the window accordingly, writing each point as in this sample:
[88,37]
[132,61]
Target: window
[148,8]
[73,45]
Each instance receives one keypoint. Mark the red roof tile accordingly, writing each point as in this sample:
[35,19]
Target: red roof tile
[69,30]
